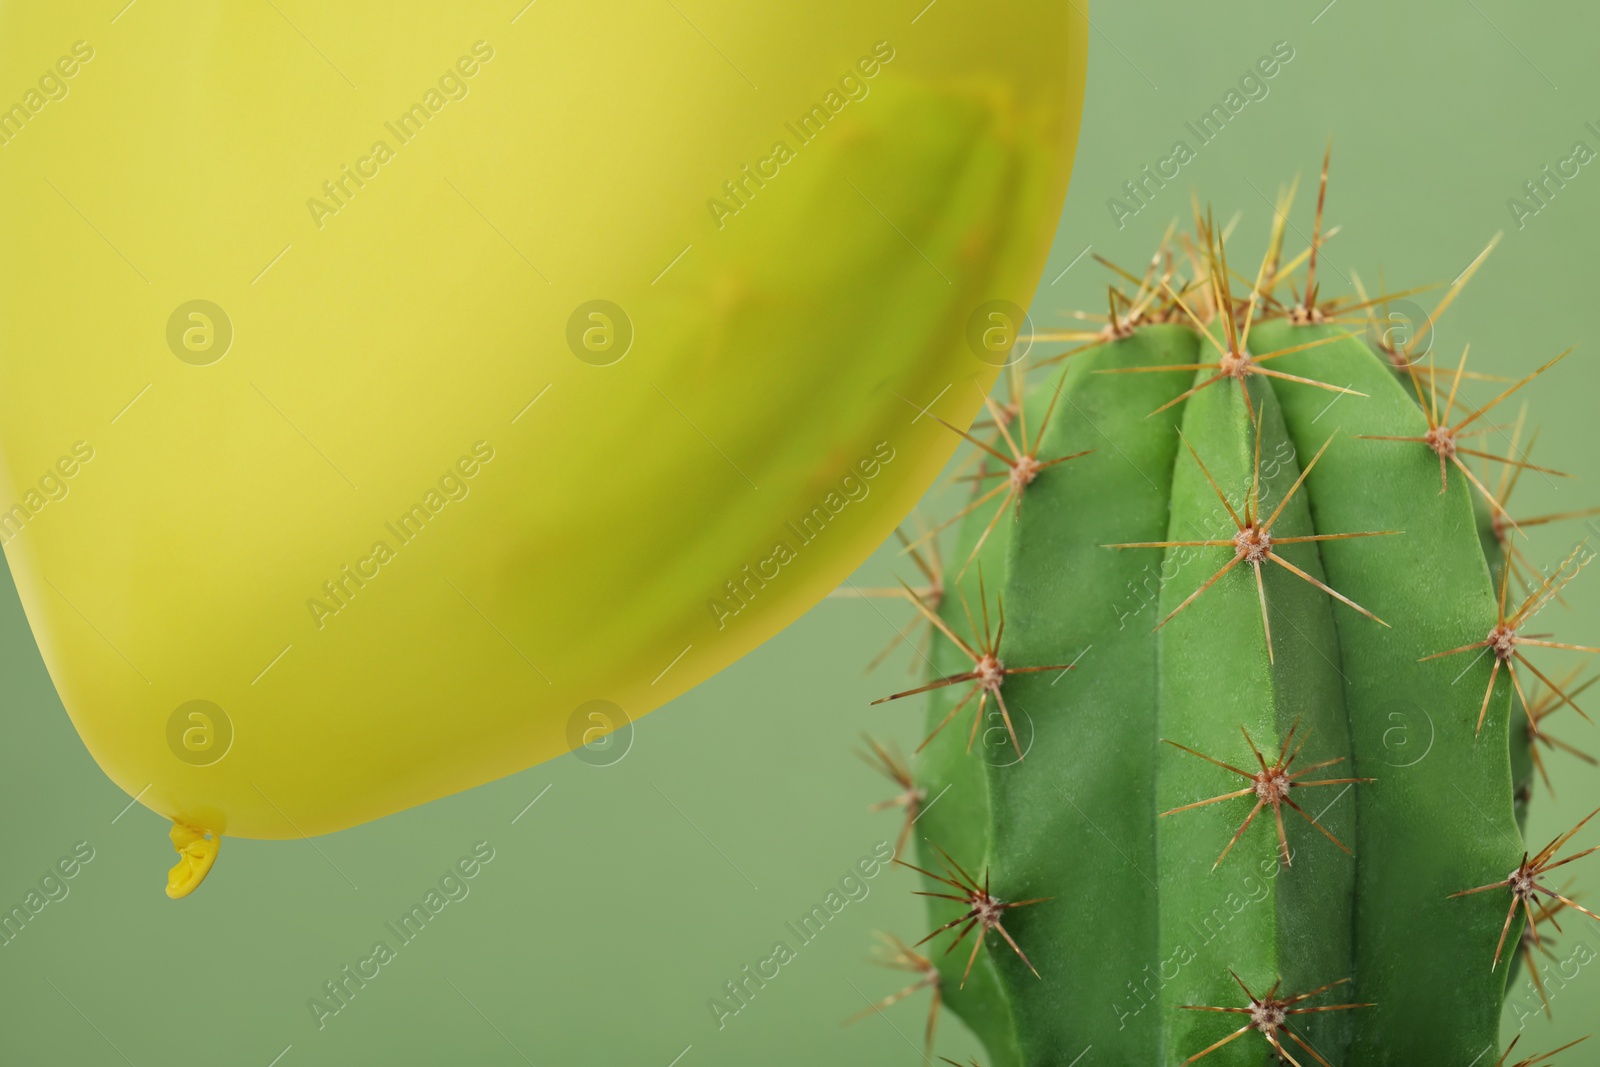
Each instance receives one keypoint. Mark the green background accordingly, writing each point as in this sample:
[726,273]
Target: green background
[625,898]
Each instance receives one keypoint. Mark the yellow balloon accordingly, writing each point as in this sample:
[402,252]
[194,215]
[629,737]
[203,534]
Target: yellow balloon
[396,395]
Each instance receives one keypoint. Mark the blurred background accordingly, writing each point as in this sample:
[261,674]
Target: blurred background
[628,887]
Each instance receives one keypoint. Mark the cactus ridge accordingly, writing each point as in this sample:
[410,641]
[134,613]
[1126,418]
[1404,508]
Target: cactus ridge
[1192,628]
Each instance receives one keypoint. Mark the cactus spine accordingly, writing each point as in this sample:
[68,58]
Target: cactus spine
[1232,753]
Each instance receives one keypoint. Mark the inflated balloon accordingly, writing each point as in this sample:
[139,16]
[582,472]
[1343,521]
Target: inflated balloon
[384,385]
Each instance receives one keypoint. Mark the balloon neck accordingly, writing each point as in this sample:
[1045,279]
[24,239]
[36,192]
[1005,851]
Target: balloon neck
[197,851]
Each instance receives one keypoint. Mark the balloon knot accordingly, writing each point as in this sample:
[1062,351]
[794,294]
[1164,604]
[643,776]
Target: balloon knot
[197,851]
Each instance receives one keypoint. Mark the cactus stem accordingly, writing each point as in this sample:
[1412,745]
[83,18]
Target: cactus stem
[988,671]
[889,763]
[1505,637]
[1270,785]
[1269,1016]
[1335,917]
[1525,885]
[1252,542]
[897,955]
[1443,439]
[984,910]
[1533,1061]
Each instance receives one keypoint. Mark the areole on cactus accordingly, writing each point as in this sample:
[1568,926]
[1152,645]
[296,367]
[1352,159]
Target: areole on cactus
[1280,548]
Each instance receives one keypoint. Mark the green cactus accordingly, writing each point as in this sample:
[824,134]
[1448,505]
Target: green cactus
[1227,753]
